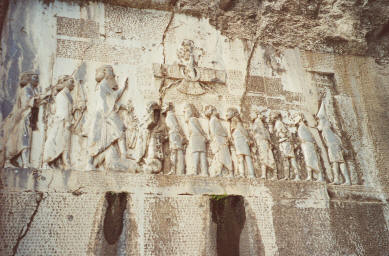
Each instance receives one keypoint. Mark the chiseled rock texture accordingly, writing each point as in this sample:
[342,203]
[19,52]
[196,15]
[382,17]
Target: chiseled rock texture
[290,56]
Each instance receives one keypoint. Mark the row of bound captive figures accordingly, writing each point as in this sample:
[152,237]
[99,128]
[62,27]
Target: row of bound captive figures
[116,140]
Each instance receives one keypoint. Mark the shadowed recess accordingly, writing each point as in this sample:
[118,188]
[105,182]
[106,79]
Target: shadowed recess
[228,213]
[113,220]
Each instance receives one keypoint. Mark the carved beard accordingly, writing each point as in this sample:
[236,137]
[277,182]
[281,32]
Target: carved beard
[112,83]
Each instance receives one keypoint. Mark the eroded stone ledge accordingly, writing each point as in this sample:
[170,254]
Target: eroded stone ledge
[80,182]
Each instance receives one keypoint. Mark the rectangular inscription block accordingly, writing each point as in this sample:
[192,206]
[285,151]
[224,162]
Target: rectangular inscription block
[97,51]
[273,86]
[324,79]
[77,27]
[256,84]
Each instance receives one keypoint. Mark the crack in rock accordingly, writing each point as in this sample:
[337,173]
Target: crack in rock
[248,67]
[23,232]
[162,94]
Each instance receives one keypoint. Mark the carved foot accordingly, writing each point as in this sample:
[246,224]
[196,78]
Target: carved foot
[297,178]
[8,164]
[90,167]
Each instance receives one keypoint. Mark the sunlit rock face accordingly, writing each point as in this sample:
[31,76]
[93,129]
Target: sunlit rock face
[194,128]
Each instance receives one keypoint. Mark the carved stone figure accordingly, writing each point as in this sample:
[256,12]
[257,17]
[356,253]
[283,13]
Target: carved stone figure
[334,148]
[150,142]
[197,141]
[176,141]
[219,144]
[18,125]
[131,124]
[241,143]
[57,145]
[105,126]
[264,144]
[308,146]
[286,148]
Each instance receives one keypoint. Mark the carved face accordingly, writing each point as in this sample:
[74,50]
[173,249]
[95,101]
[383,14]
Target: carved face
[231,112]
[104,72]
[253,115]
[34,80]
[29,77]
[99,75]
[69,83]
[209,111]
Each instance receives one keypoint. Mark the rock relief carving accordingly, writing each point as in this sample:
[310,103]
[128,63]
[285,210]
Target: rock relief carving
[60,121]
[118,141]
[309,149]
[263,142]
[187,77]
[241,143]
[286,148]
[19,124]
[335,148]
[177,140]
[106,143]
[197,142]
[219,144]
[149,151]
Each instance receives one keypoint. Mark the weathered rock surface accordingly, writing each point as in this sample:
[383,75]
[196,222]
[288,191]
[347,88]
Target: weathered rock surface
[167,127]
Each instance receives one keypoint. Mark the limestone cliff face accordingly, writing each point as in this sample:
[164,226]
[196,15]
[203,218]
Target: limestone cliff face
[181,127]
[334,26]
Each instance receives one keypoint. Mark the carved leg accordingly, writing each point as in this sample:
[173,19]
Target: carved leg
[66,159]
[309,174]
[286,169]
[320,177]
[263,171]
[25,156]
[203,164]
[250,167]
[122,148]
[240,165]
[173,162]
[345,173]
[295,168]
[335,170]
[196,161]
[180,166]
[90,165]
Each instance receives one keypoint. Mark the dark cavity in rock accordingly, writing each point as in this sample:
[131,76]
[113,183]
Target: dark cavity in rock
[113,220]
[229,215]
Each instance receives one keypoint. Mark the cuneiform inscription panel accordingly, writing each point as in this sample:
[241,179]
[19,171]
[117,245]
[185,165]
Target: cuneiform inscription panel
[97,52]
[77,27]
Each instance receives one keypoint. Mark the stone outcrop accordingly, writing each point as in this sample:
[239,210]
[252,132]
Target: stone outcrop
[194,128]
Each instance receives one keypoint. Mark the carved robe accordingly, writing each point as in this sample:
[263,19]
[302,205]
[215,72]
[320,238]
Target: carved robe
[197,140]
[308,147]
[285,145]
[240,137]
[58,133]
[219,142]
[334,145]
[262,139]
[18,123]
[176,141]
[105,125]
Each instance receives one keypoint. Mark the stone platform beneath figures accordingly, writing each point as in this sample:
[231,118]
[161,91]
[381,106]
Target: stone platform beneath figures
[65,213]
[67,181]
